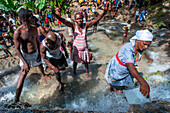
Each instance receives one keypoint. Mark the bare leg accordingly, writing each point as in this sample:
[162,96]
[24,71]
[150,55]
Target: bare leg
[42,71]
[20,84]
[125,39]
[58,77]
[87,69]
[75,67]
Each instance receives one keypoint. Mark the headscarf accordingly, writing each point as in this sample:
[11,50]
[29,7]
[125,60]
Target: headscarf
[143,35]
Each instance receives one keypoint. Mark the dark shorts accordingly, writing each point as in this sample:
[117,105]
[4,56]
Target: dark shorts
[118,87]
[59,63]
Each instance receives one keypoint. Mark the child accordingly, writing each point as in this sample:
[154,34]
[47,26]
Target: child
[129,25]
[52,55]
[136,15]
[125,28]
[80,53]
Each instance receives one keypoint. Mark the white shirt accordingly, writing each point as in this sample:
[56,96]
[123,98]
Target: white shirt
[137,12]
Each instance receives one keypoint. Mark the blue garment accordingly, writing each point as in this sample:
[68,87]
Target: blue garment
[142,16]
[41,37]
[118,75]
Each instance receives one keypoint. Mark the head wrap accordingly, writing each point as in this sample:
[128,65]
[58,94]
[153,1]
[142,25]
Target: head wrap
[143,35]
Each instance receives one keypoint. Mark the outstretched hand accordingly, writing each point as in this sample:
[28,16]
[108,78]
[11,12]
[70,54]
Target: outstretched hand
[144,89]
[106,8]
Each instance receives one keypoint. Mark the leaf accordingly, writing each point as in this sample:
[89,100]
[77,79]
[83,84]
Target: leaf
[11,3]
[4,3]
[37,3]
[42,4]
[2,7]
[29,5]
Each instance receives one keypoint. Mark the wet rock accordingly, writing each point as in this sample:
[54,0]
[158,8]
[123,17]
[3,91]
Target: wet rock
[112,27]
[151,107]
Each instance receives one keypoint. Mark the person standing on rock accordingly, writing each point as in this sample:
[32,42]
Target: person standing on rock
[122,68]
[27,48]
[53,56]
[80,53]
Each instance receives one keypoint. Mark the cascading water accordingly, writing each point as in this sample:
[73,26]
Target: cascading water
[83,95]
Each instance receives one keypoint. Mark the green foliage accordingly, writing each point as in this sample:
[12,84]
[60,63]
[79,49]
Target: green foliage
[34,4]
[56,3]
[157,73]
[7,5]
[160,25]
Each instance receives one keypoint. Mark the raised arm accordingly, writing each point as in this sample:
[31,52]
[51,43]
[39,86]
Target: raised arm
[64,21]
[144,88]
[90,23]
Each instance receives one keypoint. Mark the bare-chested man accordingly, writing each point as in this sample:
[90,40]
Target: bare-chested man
[27,48]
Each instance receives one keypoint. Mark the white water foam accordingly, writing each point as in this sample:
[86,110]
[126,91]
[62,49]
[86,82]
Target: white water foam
[156,66]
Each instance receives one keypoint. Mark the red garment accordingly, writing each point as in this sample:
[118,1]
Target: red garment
[59,22]
[120,62]
[125,34]
[46,20]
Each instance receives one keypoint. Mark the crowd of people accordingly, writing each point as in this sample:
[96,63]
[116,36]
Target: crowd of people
[36,44]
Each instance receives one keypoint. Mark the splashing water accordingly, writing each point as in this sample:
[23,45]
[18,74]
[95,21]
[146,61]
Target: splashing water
[86,95]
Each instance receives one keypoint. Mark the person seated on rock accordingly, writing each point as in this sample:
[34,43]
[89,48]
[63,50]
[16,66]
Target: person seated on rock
[27,46]
[53,56]
[121,68]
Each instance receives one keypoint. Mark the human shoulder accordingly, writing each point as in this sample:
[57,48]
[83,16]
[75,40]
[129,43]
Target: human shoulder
[127,47]
[18,30]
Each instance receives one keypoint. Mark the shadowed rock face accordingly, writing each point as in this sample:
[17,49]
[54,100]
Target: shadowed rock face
[151,107]
[155,106]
